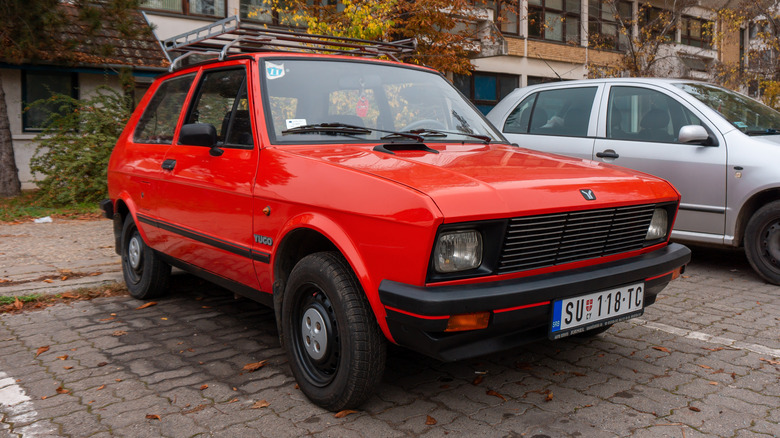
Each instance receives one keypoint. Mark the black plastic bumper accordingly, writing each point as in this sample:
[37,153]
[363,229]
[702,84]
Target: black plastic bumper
[416,314]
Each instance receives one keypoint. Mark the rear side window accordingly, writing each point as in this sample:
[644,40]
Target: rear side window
[554,112]
[642,114]
[161,116]
[222,102]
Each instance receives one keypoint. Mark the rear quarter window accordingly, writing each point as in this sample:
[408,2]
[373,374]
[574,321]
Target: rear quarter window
[161,116]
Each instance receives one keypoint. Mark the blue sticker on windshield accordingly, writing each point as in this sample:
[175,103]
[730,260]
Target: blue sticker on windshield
[740,125]
[274,71]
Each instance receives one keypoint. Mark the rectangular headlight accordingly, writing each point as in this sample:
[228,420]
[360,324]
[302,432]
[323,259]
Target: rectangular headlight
[458,251]
[658,225]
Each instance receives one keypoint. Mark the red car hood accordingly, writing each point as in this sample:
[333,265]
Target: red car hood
[472,182]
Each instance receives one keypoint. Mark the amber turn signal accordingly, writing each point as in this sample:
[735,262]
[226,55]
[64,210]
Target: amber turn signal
[468,321]
[678,272]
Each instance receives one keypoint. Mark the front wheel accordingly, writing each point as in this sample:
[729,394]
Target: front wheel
[336,350]
[146,276]
[762,242]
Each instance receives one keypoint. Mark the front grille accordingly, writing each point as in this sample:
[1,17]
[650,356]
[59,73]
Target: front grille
[552,239]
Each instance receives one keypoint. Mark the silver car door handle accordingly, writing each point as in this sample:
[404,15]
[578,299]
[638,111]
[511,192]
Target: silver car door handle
[607,154]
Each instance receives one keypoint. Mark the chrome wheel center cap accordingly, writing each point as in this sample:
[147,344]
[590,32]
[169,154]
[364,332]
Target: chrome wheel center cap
[134,252]
[314,334]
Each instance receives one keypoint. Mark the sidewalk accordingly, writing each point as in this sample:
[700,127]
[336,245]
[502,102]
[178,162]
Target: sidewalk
[55,257]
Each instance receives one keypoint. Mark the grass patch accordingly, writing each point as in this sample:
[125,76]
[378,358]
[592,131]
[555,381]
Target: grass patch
[37,302]
[27,206]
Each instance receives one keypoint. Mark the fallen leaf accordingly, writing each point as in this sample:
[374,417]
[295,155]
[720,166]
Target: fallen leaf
[297,387]
[119,333]
[48,280]
[260,404]
[95,274]
[195,409]
[549,396]
[251,367]
[344,413]
[206,307]
[18,304]
[495,394]
[69,295]
[694,409]
[430,421]
[559,373]
[44,397]
[62,390]
[204,387]
[63,357]
[588,406]
[714,349]
[714,383]
[149,304]
[153,417]
[664,349]
[706,367]
[771,362]
[101,387]
[63,278]
[107,319]
[102,364]
[68,368]
[117,380]
[233,401]
[477,380]
[42,350]
[578,374]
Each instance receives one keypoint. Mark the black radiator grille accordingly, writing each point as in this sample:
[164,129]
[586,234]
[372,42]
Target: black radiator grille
[552,239]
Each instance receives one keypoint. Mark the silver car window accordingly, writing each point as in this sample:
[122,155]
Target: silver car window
[750,116]
[642,114]
[554,112]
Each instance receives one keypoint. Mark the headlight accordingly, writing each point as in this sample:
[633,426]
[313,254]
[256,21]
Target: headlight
[658,225]
[458,251]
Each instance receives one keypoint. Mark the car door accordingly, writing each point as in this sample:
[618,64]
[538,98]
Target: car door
[151,139]
[208,190]
[638,128]
[560,120]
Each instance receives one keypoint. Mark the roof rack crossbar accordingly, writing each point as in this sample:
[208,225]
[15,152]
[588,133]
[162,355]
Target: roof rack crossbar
[231,36]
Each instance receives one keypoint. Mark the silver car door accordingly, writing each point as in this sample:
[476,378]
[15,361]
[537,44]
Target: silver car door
[638,128]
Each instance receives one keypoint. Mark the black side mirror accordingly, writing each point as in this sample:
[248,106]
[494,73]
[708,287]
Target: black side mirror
[200,134]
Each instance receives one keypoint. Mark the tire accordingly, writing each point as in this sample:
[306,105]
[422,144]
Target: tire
[762,242]
[146,276]
[334,345]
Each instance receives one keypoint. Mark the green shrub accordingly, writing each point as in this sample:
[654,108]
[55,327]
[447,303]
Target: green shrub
[75,145]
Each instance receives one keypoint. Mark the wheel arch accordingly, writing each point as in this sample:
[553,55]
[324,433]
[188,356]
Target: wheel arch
[749,208]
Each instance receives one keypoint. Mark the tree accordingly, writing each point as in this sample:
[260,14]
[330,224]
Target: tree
[443,28]
[54,32]
[642,37]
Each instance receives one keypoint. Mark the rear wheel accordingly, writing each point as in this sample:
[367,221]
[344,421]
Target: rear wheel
[336,350]
[146,276]
[762,242]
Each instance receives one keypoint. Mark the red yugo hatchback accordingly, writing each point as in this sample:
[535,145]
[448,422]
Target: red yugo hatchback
[366,201]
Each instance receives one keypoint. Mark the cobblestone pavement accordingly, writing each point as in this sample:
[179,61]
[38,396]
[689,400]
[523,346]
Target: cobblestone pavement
[703,361]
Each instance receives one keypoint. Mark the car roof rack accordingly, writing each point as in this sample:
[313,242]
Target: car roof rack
[231,36]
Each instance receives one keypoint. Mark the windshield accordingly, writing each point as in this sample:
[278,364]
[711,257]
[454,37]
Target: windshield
[750,116]
[303,94]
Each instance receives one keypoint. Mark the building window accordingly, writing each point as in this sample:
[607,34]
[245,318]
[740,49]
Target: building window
[486,89]
[554,20]
[658,22]
[210,8]
[38,85]
[696,32]
[276,12]
[604,28]
[506,14]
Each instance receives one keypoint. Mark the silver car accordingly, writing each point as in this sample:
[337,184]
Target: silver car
[720,149]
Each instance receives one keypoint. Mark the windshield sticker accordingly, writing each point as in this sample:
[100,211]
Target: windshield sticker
[740,125]
[294,123]
[362,107]
[274,71]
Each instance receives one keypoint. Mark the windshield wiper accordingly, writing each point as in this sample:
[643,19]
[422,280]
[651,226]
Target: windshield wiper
[426,132]
[328,128]
[768,131]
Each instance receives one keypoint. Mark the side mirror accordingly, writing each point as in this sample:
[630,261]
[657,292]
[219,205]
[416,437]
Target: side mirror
[694,134]
[200,134]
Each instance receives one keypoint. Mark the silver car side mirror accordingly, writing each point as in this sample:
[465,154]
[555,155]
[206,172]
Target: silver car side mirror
[693,134]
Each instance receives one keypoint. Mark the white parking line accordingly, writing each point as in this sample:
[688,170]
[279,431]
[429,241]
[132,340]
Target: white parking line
[699,336]
[17,407]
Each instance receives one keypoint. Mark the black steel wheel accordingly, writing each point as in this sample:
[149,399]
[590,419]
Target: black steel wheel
[146,276]
[336,350]
[762,242]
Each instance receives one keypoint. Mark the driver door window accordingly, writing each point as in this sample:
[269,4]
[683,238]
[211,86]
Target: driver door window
[647,115]
[222,102]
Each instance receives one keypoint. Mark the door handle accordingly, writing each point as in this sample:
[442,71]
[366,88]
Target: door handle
[609,153]
[168,164]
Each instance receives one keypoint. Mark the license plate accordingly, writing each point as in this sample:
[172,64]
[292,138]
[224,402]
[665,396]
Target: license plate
[587,312]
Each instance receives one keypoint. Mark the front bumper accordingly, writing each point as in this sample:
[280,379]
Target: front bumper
[417,316]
